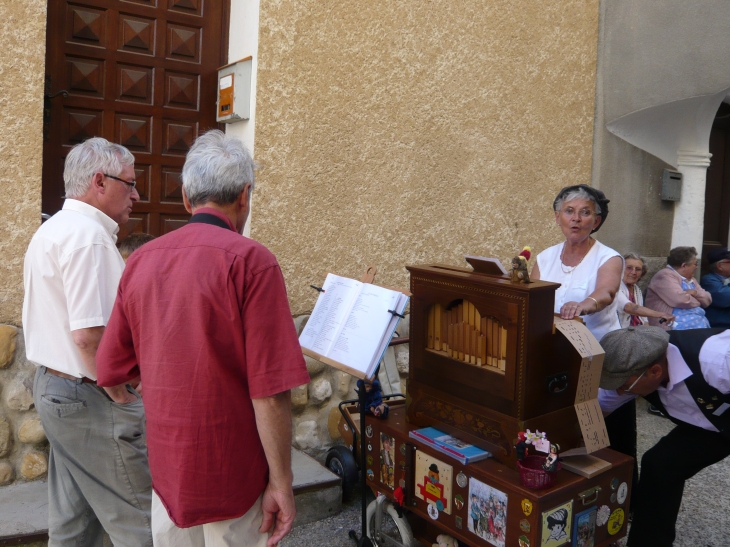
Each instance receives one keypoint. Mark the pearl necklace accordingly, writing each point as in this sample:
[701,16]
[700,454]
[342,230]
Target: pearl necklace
[571,268]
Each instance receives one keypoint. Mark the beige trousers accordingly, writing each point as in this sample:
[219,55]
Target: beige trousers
[239,532]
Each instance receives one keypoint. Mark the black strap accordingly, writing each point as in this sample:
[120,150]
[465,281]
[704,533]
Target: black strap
[207,218]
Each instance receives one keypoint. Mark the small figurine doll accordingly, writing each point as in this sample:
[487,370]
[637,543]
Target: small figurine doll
[521,446]
[519,266]
[550,464]
[373,398]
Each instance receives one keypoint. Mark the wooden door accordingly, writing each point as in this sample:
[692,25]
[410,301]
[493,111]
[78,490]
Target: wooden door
[717,191]
[141,73]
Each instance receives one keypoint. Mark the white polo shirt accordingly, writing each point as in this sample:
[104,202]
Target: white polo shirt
[71,273]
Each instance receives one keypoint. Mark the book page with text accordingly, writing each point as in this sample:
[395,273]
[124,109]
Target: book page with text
[364,327]
[332,306]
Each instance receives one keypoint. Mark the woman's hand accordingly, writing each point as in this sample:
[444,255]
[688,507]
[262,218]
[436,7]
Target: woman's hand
[570,310]
[691,292]
[668,318]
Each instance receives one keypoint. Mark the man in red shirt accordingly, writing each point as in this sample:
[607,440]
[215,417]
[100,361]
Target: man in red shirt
[202,315]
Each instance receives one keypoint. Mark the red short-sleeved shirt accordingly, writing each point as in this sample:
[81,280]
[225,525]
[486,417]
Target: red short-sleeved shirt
[202,314]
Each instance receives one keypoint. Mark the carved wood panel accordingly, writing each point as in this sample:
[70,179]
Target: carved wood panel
[142,73]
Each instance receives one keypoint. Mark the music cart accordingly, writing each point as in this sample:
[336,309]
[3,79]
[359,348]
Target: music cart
[487,360]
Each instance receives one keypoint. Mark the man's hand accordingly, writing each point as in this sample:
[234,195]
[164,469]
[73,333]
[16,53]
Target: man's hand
[279,513]
[120,394]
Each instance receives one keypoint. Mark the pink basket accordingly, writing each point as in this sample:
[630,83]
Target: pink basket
[532,475]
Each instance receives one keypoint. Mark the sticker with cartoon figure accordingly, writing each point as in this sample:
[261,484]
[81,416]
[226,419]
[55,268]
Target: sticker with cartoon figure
[525,526]
[433,512]
[524,542]
[433,482]
[556,525]
[623,491]
[584,528]
[615,521]
[371,475]
[458,501]
[387,460]
[369,431]
[526,507]
[487,512]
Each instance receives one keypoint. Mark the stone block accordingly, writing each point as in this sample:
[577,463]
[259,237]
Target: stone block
[314,367]
[299,397]
[305,435]
[320,390]
[34,465]
[7,344]
[300,322]
[6,473]
[6,439]
[333,421]
[31,432]
[402,359]
[342,381]
[19,396]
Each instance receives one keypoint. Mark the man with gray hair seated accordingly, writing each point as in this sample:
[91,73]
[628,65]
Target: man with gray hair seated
[202,314]
[686,374]
[98,476]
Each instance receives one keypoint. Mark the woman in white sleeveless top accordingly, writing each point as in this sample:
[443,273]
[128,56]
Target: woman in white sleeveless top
[589,273]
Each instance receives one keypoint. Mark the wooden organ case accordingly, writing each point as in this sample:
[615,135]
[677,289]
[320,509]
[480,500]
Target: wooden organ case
[485,361]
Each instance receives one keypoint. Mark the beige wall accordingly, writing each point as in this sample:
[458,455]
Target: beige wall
[407,132]
[23,31]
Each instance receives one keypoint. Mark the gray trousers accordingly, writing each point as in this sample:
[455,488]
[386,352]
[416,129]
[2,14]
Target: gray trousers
[98,475]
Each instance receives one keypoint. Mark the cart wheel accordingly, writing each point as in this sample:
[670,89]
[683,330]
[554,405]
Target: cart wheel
[342,463]
[394,530]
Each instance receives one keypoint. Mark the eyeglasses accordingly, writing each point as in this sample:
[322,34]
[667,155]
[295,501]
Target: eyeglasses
[628,389]
[130,183]
[582,213]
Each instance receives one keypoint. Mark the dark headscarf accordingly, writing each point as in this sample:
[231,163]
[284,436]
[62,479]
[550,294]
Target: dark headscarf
[596,194]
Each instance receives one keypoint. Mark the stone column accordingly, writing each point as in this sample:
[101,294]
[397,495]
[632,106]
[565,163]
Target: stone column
[689,211]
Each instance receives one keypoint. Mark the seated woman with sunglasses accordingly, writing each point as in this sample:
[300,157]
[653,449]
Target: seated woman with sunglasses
[674,290]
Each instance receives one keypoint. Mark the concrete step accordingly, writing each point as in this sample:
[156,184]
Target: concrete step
[24,507]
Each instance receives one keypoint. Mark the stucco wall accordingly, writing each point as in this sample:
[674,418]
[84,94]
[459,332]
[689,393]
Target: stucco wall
[23,31]
[407,132]
[649,54]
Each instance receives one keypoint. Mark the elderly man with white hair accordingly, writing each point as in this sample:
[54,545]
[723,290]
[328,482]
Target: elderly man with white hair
[686,374]
[98,475]
[202,314]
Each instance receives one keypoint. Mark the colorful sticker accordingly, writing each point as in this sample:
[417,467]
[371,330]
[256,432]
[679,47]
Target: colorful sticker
[556,525]
[458,501]
[524,542]
[403,449]
[613,497]
[370,459]
[487,512]
[370,447]
[433,512]
[623,491]
[615,521]
[584,528]
[602,517]
[458,522]
[369,431]
[433,482]
[461,479]
[526,507]
[387,460]
[525,526]
[614,483]
[371,475]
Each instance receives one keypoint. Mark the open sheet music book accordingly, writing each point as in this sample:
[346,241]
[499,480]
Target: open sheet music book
[350,327]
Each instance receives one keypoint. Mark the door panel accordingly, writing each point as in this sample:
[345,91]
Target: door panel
[717,189]
[139,73]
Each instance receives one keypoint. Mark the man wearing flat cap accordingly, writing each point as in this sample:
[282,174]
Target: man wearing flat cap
[686,374]
[717,283]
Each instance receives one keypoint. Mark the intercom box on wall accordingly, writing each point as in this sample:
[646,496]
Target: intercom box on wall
[234,91]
